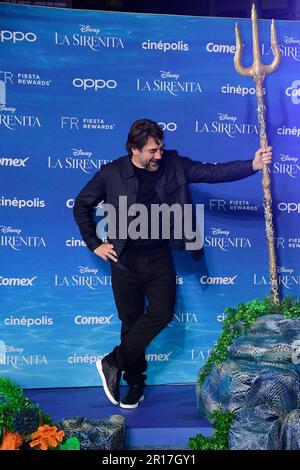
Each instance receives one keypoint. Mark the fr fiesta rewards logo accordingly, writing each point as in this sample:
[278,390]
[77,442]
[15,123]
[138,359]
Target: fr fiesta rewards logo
[75,123]
[220,205]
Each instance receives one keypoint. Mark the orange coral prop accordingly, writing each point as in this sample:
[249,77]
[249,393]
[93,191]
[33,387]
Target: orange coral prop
[11,441]
[46,437]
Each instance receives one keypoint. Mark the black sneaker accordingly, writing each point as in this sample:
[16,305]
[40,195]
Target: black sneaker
[134,396]
[110,376]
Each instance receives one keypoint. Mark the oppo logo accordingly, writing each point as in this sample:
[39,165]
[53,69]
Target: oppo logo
[89,83]
[169,126]
[70,203]
[289,207]
[16,36]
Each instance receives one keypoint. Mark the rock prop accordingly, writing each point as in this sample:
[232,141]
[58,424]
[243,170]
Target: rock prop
[96,434]
[259,382]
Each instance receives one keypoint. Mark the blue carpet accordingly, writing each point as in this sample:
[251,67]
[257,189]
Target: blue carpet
[167,417]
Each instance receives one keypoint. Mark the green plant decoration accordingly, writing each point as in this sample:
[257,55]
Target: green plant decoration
[12,399]
[70,444]
[219,440]
[20,417]
[26,420]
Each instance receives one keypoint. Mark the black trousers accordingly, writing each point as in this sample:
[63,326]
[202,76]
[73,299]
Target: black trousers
[150,276]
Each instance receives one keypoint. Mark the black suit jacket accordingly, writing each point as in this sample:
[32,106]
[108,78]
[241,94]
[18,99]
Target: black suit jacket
[117,178]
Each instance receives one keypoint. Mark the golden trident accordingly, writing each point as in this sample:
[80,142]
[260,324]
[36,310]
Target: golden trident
[258,71]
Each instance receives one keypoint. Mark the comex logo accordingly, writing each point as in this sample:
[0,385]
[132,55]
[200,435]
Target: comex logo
[102,320]
[160,357]
[294,91]
[5,161]
[17,36]
[220,48]
[98,84]
[217,280]
[14,281]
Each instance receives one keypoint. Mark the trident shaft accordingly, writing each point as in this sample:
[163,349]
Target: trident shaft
[258,71]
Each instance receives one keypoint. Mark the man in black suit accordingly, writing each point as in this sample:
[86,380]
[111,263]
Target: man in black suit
[142,266]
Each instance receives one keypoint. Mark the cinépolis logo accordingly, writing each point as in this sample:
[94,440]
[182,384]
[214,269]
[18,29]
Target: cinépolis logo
[21,203]
[163,46]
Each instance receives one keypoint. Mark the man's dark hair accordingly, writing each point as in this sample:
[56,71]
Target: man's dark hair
[140,132]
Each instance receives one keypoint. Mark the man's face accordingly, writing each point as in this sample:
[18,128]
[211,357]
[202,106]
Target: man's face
[149,156]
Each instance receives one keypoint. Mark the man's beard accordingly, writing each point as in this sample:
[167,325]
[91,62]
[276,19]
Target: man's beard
[149,165]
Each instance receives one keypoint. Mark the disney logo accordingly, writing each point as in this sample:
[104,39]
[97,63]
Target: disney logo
[84,270]
[3,107]
[81,153]
[282,269]
[219,231]
[225,117]
[168,75]
[13,349]
[287,158]
[291,40]
[88,29]
[4,229]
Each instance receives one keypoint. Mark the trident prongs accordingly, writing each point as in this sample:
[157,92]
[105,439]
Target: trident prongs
[257,69]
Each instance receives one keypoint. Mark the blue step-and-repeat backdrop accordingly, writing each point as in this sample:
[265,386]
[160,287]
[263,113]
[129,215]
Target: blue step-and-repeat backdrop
[71,83]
